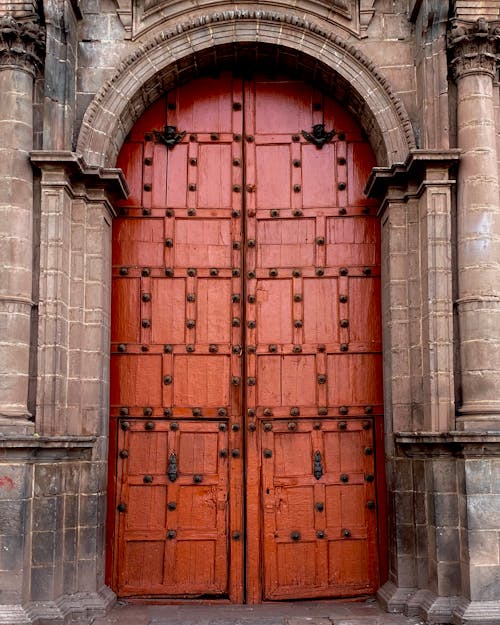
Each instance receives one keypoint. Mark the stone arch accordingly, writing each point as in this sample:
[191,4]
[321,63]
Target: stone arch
[229,38]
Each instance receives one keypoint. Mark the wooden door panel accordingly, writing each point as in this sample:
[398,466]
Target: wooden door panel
[280,109]
[130,162]
[246,294]
[125,294]
[205,105]
[298,380]
[168,312]
[354,379]
[176,190]
[203,243]
[350,566]
[365,326]
[214,308]
[319,183]
[321,316]
[286,243]
[215,176]
[201,381]
[176,351]
[138,242]
[360,162]
[318,483]
[161,191]
[269,380]
[273,176]
[274,311]
[146,508]
[136,380]
[171,516]
[352,242]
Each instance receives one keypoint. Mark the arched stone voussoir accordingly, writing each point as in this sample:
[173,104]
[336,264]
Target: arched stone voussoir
[216,41]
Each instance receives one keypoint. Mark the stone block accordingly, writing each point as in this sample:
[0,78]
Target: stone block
[42,583]
[87,575]
[420,508]
[403,474]
[405,539]
[421,541]
[447,544]
[11,552]
[12,481]
[446,510]
[445,476]
[403,507]
[12,516]
[484,547]
[448,578]
[88,510]
[43,548]
[483,512]
[478,476]
[406,571]
[11,583]
[46,511]
[87,542]
[47,480]
[485,583]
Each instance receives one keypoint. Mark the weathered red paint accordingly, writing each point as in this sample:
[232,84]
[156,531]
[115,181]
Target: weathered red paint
[6,482]
[246,341]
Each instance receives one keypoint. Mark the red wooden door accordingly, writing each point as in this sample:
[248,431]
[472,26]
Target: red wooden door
[245,343]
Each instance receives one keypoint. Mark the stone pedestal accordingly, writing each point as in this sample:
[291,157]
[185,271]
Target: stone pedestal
[20,45]
[474,47]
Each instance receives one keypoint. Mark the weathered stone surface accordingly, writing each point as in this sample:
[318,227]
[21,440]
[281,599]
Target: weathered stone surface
[105,62]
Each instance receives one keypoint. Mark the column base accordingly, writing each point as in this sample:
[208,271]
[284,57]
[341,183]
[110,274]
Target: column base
[15,422]
[394,599]
[82,608]
[479,416]
[476,612]
[437,610]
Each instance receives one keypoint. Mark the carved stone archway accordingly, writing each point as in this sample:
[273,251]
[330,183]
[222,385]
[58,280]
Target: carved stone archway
[231,38]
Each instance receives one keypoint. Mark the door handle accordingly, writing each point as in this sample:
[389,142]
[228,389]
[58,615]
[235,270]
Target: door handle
[172,467]
[318,465]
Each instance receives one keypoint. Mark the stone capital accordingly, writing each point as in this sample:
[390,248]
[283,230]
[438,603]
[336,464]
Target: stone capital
[21,43]
[474,47]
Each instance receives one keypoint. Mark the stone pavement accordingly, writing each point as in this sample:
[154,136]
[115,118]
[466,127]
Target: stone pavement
[297,613]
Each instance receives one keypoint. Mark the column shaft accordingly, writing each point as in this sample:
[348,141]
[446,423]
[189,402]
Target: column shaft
[478,226]
[19,43]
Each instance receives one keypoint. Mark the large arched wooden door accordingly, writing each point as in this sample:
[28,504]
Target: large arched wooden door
[246,380]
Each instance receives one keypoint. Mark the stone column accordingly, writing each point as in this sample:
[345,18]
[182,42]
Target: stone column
[474,46]
[21,43]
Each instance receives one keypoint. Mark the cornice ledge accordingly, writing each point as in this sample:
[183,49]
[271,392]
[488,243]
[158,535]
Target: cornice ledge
[46,442]
[110,179]
[399,174]
[461,444]
[34,448]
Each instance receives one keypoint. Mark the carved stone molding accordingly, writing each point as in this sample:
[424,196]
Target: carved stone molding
[21,43]
[142,16]
[474,47]
[116,106]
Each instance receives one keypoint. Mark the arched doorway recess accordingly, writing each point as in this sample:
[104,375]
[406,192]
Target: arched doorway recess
[246,374]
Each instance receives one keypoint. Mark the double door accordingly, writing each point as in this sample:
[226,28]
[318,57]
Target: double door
[246,400]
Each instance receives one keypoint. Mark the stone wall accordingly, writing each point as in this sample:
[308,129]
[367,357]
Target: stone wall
[103,63]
